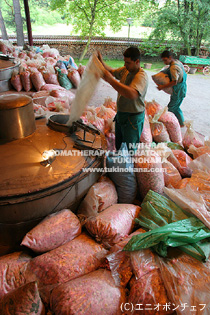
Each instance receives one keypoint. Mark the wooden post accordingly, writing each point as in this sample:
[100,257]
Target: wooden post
[28,22]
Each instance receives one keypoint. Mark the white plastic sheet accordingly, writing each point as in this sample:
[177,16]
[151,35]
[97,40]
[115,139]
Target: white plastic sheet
[92,74]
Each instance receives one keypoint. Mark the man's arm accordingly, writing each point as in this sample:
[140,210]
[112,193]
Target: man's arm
[121,88]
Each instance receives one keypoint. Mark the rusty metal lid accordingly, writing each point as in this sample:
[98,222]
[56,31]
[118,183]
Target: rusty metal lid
[4,64]
[10,101]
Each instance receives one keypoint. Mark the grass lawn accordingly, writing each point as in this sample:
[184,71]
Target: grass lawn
[156,65]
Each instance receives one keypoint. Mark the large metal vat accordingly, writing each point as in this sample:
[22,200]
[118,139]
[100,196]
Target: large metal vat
[29,190]
[17,118]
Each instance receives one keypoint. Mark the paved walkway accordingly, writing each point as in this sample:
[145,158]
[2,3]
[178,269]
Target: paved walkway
[196,105]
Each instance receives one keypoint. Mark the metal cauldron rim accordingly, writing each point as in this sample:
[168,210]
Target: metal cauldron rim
[55,125]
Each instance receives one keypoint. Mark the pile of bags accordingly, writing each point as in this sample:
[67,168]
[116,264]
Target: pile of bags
[164,156]
[43,69]
[86,263]
[67,261]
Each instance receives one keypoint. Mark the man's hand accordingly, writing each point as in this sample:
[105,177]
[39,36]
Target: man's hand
[160,87]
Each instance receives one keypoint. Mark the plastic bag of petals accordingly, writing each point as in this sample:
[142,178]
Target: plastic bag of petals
[16,81]
[39,110]
[50,78]
[196,152]
[74,77]
[171,174]
[37,80]
[181,160]
[24,300]
[143,262]
[96,121]
[50,52]
[187,282]
[191,137]
[33,69]
[51,87]
[50,61]
[108,103]
[12,270]
[148,295]
[69,261]
[182,183]
[23,66]
[152,108]
[95,293]
[200,182]
[26,80]
[57,104]
[201,163]
[54,231]
[190,201]
[31,54]
[62,94]
[150,173]
[22,55]
[100,196]
[146,135]
[113,224]
[158,130]
[106,113]
[109,126]
[119,261]
[172,125]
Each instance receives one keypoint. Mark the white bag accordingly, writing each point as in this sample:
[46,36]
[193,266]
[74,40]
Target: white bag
[92,74]
[162,78]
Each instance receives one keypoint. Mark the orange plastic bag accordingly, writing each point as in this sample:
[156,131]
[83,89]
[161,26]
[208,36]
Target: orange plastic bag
[152,108]
[187,282]
[69,261]
[150,175]
[120,261]
[12,271]
[92,294]
[148,295]
[113,224]
[172,125]
[54,231]
[24,300]
[171,174]
[146,135]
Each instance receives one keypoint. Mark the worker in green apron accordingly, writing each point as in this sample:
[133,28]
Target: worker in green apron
[131,88]
[178,79]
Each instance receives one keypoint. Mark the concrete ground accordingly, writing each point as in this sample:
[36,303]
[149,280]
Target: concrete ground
[196,105]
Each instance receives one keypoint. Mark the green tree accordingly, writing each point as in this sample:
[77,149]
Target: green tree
[90,17]
[40,14]
[188,20]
